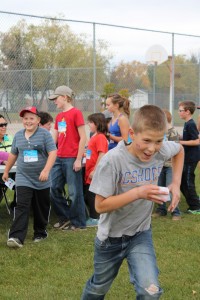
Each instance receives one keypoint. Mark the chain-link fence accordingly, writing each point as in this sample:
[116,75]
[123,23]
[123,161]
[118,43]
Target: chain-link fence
[37,54]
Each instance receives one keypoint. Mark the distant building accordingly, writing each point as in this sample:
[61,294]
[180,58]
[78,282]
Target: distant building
[4,100]
[138,99]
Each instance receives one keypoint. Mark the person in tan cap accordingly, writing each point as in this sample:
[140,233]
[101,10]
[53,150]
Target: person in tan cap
[70,137]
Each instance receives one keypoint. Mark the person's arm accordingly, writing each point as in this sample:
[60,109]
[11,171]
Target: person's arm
[190,143]
[11,161]
[198,123]
[101,154]
[55,136]
[174,187]
[49,164]
[124,127]
[81,148]
[114,138]
[149,192]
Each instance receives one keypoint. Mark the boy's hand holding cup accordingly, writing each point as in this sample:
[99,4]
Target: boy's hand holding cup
[164,197]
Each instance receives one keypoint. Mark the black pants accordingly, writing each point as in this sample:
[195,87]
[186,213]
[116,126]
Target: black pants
[89,198]
[40,202]
[188,186]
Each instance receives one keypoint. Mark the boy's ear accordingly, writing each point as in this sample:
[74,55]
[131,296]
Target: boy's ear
[131,133]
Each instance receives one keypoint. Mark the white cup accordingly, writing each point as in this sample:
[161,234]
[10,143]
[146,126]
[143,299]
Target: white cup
[165,198]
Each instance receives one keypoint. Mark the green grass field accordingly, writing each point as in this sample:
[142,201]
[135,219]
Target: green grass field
[58,267]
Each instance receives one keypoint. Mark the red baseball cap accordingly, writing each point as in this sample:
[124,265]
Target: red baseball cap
[30,109]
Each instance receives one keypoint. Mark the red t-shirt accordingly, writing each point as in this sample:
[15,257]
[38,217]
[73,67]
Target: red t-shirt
[97,143]
[67,124]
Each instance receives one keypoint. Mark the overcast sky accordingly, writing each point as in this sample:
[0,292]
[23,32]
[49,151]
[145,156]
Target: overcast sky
[180,16]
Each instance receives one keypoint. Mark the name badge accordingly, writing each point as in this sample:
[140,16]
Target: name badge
[10,183]
[62,126]
[30,155]
[111,141]
[88,154]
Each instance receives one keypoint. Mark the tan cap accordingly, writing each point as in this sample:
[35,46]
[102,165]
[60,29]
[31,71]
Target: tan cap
[62,90]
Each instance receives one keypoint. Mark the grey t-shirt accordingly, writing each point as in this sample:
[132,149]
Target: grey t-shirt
[28,172]
[118,172]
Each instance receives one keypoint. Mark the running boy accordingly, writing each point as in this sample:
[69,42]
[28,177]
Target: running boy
[190,142]
[125,184]
[35,152]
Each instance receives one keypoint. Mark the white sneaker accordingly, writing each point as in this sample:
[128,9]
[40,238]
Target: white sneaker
[61,225]
[39,239]
[14,243]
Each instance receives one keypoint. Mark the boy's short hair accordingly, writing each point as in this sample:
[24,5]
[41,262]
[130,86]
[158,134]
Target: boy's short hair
[149,117]
[45,117]
[188,105]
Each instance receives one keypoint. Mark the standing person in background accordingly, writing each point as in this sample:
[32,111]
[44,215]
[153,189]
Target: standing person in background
[119,125]
[165,177]
[45,120]
[70,137]
[5,139]
[5,146]
[190,142]
[97,147]
[35,152]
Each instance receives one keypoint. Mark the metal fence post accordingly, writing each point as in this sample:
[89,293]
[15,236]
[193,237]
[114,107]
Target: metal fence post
[171,100]
[94,67]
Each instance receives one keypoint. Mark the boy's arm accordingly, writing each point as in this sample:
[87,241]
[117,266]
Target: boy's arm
[174,187]
[149,192]
[190,143]
[11,161]
[81,148]
[198,123]
[55,136]
[49,164]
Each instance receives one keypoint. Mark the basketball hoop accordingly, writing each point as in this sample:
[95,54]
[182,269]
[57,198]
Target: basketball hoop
[156,55]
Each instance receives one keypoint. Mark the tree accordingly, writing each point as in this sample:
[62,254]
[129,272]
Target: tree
[186,77]
[131,76]
[52,46]
[109,88]
[124,93]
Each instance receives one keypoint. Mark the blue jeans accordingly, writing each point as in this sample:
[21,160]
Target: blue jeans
[62,173]
[108,257]
[165,179]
